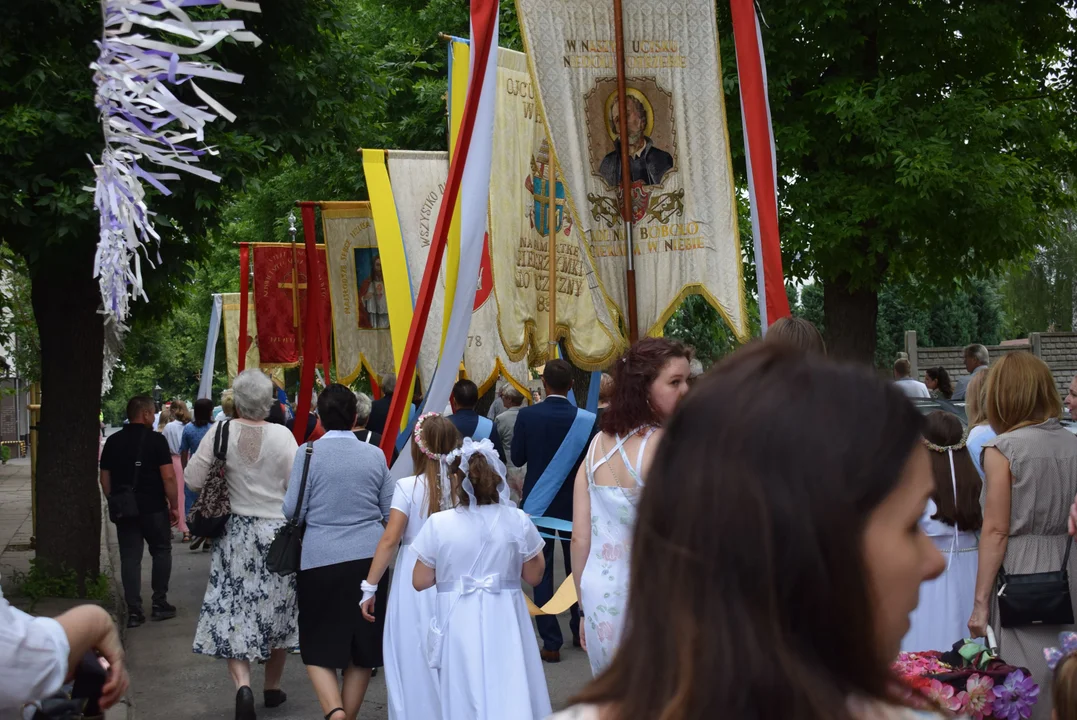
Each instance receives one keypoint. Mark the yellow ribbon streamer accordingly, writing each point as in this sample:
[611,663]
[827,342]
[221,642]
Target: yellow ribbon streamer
[461,61]
[394,263]
[562,600]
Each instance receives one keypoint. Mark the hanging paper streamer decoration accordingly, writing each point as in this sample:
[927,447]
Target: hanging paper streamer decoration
[146,53]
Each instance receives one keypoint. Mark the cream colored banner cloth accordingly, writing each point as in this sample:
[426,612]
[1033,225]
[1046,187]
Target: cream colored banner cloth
[686,238]
[230,318]
[518,225]
[357,291]
[418,180]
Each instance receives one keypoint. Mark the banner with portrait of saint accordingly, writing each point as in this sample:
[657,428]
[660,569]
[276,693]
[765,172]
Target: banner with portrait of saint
[520,222]
[418,184]
[357,288]
[683,206]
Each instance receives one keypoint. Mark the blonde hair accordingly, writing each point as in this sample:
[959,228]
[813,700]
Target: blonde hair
[1064,689]
[164,419]
[976,400]
[440,437]
[228,403]
[179,411]
[1021,392]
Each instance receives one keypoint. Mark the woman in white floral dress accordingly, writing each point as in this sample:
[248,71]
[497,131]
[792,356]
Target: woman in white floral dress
[648,383]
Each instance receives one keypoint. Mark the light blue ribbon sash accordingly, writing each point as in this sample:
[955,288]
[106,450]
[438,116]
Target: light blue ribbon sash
[556,473]
[484,429]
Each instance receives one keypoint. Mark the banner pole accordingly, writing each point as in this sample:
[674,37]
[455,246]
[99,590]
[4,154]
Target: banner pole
[244,310]
[626,170]
[309,356]
[551,231]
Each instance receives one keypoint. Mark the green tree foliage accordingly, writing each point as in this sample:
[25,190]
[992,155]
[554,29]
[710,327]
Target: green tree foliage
[1038,295]
[915,140]
[18,329]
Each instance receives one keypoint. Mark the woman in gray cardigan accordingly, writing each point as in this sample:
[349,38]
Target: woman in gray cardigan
[345,509]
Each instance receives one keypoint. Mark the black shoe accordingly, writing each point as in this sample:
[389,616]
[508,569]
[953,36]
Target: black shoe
[576,641]
[163,611]
[196,543]
[135,619]
[245,704]
[274,698]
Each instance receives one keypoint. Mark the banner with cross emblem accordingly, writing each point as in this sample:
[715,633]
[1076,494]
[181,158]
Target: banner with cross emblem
[280,301]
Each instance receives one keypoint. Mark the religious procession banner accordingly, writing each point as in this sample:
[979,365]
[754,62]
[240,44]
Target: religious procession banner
[418,183]
[230,316]
[683,207]
[519,225]
[280,301]
[357,286]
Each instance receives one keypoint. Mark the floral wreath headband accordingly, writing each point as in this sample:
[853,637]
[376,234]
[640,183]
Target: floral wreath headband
[959,445]
[1067,642]
[417,436]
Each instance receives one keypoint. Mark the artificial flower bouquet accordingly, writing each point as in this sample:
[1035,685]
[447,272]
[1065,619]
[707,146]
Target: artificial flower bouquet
[971,681]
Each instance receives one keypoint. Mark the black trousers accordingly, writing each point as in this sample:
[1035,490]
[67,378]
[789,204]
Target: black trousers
[548,625]
[155,530]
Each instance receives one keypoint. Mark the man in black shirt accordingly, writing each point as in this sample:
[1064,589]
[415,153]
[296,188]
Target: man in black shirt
[154,481]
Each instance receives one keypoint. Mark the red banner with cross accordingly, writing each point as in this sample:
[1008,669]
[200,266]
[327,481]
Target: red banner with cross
[280,301]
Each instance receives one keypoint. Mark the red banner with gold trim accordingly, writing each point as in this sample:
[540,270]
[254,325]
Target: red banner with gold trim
[280,301]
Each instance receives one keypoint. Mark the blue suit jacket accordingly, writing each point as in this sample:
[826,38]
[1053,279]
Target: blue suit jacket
[540,430]
[467,420]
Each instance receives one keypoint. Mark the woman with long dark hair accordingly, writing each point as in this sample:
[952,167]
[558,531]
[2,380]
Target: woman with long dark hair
[777,552]
[952,520]
[648,382]
[938,383]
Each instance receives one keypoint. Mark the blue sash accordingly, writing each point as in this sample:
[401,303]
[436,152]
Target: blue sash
[484,429]
[556,473]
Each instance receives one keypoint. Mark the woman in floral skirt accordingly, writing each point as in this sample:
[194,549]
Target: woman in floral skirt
[248,613]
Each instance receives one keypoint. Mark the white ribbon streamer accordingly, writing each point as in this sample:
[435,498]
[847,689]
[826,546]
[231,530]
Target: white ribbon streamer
[144,122]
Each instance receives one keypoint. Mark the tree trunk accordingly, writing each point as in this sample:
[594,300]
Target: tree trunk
[850,317]
[66,298]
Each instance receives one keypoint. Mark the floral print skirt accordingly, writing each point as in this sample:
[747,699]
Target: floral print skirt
[247,611]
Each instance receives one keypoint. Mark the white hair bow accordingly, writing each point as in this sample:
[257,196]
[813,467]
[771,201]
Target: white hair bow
[485,448]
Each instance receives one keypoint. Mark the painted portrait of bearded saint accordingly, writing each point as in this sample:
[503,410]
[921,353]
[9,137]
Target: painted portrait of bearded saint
[647,162]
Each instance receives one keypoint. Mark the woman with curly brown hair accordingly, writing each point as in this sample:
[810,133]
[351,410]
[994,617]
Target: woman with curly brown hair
[648,382]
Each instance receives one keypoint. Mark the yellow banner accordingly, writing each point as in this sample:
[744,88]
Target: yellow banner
[460,60]
[394,260]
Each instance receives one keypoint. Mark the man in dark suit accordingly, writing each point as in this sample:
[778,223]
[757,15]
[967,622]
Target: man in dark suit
[540,430]
[465,396]
[379,409]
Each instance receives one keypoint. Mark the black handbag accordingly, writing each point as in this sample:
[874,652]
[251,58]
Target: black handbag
[286,550]
[122,502]
[1036,598]
[209,515]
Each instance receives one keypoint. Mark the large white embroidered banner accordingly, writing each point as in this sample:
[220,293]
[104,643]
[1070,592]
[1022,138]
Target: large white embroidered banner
[684,210]
[519,223]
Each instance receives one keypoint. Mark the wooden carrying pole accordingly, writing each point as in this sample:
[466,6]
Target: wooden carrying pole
[626,170]
[551,230]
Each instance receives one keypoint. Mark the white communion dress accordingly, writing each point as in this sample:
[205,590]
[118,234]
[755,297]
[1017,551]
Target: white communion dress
[411,684]
[488,662]
[941,618]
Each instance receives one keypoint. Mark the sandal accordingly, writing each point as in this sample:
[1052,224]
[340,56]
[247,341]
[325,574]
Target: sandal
[186,538]
[329,715]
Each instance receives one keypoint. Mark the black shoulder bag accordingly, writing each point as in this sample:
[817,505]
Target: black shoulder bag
[122,502]
[286,551]
[208,517]
[1036,598]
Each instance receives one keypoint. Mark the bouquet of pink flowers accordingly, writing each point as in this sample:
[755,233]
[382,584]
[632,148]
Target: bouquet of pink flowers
[970,680]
